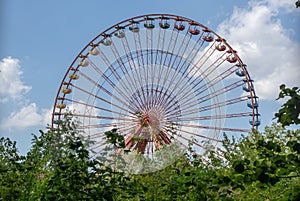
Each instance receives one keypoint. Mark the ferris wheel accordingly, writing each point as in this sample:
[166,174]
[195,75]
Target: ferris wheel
[158,80]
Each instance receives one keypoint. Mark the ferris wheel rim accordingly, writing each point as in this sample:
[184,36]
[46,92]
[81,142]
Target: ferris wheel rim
[83,54]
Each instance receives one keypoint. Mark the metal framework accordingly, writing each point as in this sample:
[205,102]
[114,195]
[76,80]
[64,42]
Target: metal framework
[158,79]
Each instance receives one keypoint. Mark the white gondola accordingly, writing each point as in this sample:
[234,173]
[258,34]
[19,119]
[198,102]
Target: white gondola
[94,52]
[73,76]
[61,106]
[66,91]
[120,35]
[83,63]
[106,42]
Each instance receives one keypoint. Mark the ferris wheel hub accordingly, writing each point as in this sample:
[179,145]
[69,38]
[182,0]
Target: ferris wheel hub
[151,118]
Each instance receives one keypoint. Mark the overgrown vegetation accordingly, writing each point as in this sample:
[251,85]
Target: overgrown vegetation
[260,166]
[290,110]
[297,3]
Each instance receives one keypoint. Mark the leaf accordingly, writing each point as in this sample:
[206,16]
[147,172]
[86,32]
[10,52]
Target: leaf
[282,87]
[238,166]
[296,147]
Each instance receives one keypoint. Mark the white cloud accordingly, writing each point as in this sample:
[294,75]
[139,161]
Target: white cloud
[264,45]
[11,85]
[27,116]
[13,88]
[275,5]
[46,115]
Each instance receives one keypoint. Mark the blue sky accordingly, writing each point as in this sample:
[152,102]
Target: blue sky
[40,39]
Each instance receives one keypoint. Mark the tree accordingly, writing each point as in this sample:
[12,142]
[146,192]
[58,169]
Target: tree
[69,172]
[290,110]
[58,167]
[255,167]
[11,167]
[263,163]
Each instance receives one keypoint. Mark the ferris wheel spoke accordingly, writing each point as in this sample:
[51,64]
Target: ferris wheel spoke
[123,127]
[213,67]
[123,67]
[95,144]
[214,128]
[213,82]
[214,105]
[171,46]
[191,56]
[149,61]
[221,91]
[96,135]
[141,64]
[175,76]
[106,78]
[134,67]
[114,72]
[183,46]
[97,150]
[96,126]
[102,117]
[102,99]
[197,79]
[109,126]
[190,141]
[188,111]
[145,69]
[189,93]
[211,70]
[217,93]
[139,50]
[103,89]
[132,83]
[224,116]
[175,132]
[158,45]
[201,136]
[187,148]
[97,108]
[218,76]
[172,54]
[206,55]
[131,61]
[213,94]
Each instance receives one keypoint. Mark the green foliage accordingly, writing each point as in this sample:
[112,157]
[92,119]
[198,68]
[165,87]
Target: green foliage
[59,167]
[114,138]
[290,110]
[264,161]
[11,167]
[257,167]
